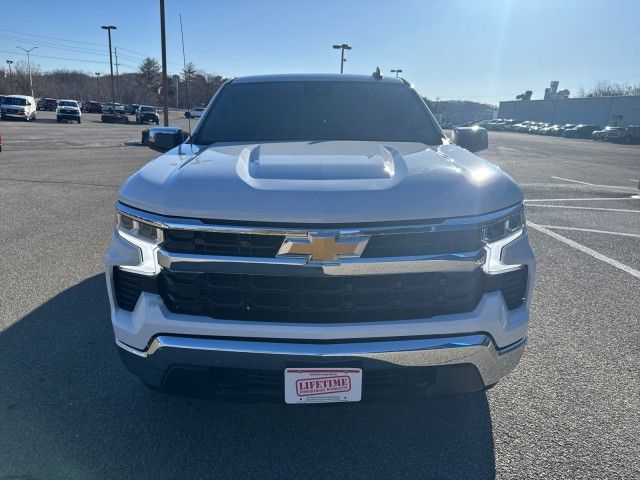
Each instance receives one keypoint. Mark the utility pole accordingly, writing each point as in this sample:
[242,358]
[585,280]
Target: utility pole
[165,93]
[97,85]
[108,28]
[184,69]
[177,79]
[115,51]
[9,62]
[342,48]
[397,72]
[29,63]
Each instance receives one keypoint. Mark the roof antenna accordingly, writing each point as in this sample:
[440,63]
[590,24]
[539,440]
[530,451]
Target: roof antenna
[377,75]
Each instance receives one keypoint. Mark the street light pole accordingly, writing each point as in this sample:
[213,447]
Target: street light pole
[397,72]
[97,85]
[108,28]
[29,63]
[342,48]
[9,62]
[165,92]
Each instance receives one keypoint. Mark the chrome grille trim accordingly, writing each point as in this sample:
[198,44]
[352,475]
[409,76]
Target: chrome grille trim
[180,223]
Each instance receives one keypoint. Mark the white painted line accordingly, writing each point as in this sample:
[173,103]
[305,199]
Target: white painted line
[634,197]
[559,227]
[573,181]
[614,263]
[591,184]
[634,179]
[584,208]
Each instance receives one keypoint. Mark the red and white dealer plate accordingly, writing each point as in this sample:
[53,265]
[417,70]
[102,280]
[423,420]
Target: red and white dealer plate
[322,385]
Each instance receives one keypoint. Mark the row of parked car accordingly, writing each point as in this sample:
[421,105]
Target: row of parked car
[630,134]
[25,108]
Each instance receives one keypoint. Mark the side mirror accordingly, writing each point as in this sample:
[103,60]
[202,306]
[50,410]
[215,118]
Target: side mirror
[473,139]
[162,139]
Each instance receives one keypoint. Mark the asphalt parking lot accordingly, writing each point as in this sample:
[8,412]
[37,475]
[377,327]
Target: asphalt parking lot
[68,409]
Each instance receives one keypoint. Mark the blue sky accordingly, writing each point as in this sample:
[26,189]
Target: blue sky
[479,50]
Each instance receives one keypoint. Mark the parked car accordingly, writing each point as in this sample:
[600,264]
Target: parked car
[131,108]
[109,108]
[147,114]
[195,112]
[92,107]
[49,104]
[18,106]
[321,304]
[68,110]
[630,134]
[603,134]
[536,127]
[580,131]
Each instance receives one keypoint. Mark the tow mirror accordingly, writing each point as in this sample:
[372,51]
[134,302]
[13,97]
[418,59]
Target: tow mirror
[162,139]
[473,138]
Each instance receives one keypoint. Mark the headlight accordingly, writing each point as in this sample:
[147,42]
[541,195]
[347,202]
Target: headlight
[142,230]
[504,227]
[146,237]
[498,235]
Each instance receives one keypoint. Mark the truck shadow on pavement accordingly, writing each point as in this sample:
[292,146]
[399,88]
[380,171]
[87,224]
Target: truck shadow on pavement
[68,409]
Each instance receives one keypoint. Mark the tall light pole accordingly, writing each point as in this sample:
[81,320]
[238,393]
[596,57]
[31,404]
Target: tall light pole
[397,72]
[9,62]
[108,28]
[29,63]
[97,85]
[342,48]
[165,92]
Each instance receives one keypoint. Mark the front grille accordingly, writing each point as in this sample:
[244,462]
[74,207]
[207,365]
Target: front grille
[222,243]
[267,246]
[422,243]
[320,299]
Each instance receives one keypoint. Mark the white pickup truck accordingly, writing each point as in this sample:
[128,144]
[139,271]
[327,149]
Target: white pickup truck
[319,239]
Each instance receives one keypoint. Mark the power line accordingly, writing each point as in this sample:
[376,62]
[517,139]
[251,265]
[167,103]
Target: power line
[54,45]
[56,58]
[51,38]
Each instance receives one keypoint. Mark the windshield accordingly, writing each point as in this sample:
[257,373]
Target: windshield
[317,110]
[147,109]
[67,104]
[15,101]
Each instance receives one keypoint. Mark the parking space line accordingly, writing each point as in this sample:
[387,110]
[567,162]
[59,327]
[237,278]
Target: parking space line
[584,208]
[591,184]
[583,199]
[573,181]
[597,255]
[577,229]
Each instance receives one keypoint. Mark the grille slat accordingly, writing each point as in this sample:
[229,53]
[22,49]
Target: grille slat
[267,246]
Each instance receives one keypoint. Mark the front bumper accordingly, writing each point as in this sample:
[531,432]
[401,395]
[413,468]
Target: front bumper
[240,368]
[67,116]
[14,114]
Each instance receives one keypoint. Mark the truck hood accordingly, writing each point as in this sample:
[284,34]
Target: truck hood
[320,182]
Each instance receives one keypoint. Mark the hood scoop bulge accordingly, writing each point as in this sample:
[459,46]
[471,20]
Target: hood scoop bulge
[319,161]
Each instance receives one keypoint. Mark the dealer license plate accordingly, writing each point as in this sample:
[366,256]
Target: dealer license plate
[322,385]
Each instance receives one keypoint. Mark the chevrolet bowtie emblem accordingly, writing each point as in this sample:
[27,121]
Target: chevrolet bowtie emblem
[317,247]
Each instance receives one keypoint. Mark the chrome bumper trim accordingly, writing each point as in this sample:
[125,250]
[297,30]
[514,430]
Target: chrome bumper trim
[455,262]
[478,349]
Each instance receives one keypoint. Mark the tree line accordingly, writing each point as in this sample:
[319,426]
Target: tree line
[193,87]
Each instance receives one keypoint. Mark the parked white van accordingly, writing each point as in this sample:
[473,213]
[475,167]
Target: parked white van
[18,106]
